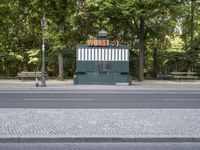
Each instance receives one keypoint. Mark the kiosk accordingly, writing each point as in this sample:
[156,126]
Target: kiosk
[101,61]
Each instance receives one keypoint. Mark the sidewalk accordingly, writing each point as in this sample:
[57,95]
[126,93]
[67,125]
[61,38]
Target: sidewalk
[99,125]
[68,84]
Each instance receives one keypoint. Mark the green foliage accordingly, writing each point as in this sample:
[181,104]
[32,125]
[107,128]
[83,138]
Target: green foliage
[33,55]
[172,32]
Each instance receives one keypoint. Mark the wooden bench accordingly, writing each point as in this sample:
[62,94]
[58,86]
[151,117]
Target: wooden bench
[184,75]
[164,76]
[22,75]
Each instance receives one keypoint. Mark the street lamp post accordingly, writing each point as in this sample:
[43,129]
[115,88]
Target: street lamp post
[43,24]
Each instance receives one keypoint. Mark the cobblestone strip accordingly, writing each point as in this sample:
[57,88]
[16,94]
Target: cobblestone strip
[99,123]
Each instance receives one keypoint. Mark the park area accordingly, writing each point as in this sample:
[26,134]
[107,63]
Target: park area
[41,37]
[100,74]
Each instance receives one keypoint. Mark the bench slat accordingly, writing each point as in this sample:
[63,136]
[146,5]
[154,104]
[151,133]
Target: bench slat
[186,77]
[179,75]
[183,73]
[29,74]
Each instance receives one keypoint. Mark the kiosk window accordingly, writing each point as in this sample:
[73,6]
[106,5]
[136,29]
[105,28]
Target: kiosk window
[103,66]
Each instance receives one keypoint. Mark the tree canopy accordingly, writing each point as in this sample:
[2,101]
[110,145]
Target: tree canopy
[163,35]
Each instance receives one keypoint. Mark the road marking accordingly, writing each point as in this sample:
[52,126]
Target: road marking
[100,92]
[57,99]
[181,99]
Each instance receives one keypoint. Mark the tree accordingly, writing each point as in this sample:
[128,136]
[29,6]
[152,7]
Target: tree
[146,26]
[190,22]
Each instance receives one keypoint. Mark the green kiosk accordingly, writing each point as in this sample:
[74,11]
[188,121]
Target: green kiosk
[101,61]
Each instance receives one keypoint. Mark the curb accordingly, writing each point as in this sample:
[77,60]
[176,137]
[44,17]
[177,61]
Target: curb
[97,139]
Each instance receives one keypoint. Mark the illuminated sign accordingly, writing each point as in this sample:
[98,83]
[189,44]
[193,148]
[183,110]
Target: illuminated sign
[94,42]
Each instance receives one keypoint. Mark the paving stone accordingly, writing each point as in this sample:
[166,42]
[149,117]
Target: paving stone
[68,85]
[100,122]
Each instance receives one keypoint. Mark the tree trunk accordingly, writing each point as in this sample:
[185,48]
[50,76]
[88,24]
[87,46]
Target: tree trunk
[192,33]
[60,23]
[142,49]
[60,54]
[33,34]
[155,61]
[61,70]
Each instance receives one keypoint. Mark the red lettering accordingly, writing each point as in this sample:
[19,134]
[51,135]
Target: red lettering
[90,42]
[103,43]
[98,42]
[93,42]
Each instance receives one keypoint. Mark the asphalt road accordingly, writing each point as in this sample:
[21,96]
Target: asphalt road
[100,146]
[100,99]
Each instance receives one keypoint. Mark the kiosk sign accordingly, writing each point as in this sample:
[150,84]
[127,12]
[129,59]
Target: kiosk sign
[94,42]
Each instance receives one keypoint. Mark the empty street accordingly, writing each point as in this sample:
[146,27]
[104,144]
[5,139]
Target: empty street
[80,99]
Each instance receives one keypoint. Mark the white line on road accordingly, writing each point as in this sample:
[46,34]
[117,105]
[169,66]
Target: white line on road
[100,92]
[181,99]
[57,99]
